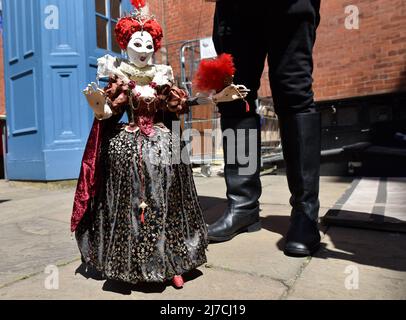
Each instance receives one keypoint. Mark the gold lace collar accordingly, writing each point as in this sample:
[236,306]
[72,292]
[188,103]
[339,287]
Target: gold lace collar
[142,76]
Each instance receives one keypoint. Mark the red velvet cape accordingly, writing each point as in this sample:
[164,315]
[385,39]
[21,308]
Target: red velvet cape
[90,176]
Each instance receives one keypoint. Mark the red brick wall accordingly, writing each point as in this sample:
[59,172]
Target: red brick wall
[360,62]
[2,95]
[182,20]
[348,63]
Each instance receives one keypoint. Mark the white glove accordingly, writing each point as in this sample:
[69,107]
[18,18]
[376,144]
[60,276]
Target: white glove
[97,101]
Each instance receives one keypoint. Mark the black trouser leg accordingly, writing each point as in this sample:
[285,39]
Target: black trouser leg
[290,71]
[241,130]
[286,32]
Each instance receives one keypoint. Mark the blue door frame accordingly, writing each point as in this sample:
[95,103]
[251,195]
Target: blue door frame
[50,54]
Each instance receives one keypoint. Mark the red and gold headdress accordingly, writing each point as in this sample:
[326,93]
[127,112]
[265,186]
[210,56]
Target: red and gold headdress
[138,21]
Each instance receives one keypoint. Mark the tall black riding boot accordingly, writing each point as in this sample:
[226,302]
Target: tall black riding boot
[301,142]
[242,181]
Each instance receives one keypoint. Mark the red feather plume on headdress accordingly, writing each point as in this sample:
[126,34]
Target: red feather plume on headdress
[138,4]
[215,74]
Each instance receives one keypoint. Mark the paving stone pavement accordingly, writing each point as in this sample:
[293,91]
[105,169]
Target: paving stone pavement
[34,235]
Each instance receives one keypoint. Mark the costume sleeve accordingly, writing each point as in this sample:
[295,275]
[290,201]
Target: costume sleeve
[177,100]
[174,99]
[117,95]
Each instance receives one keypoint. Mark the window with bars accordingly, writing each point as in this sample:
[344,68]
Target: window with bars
[107,14]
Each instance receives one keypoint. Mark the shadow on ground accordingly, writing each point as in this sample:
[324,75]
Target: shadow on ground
[125,288]
[366,247]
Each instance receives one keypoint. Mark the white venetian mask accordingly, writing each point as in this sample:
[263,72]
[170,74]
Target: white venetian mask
[140,49]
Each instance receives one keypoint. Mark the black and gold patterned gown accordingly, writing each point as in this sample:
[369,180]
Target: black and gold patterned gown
[146,223]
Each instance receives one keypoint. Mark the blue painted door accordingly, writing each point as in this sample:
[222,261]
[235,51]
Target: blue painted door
[65,111]
[22,55]
[51,49]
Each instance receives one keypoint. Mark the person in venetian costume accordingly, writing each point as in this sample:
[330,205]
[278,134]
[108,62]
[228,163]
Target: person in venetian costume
[136,213]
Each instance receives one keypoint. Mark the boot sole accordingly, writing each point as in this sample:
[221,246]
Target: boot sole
[252,228]
[298,253]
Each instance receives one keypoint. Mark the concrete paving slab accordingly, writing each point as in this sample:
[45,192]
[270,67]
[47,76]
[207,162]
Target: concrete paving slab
[204,283]
[29,245]
[34,233]
[268,259]
[355,264]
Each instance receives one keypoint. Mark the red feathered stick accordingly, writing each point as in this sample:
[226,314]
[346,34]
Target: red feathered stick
[138,4]
[215,74]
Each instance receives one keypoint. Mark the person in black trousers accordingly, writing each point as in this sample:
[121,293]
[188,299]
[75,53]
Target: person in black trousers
[284,32]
